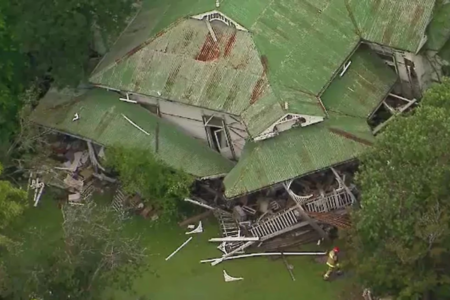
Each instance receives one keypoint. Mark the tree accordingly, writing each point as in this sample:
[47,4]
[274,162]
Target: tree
[12,69]
[401,239]
[95,254]
[159,184]
[13,202]
[58,36]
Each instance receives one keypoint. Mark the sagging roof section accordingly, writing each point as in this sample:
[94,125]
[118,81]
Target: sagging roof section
[101,119]
[399,24]
[361,88]
[438,31]
[292,154]
[341,137]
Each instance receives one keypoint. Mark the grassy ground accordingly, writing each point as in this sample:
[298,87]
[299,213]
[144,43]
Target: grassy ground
[183,277]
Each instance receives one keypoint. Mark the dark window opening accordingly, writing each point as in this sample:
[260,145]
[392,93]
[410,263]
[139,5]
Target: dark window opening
[153,108]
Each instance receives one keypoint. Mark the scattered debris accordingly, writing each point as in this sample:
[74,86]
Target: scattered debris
[134,124]
[235,239]
[199,203]
[229,278]
[38,186]
[288,267]
[179,248]
[199,229]
[191,226]
[218,260]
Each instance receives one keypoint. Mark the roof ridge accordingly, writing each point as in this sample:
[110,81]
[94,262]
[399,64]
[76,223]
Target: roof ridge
[134,50]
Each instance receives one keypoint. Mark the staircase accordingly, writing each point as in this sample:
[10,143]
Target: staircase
[278,224]
[118,203]
[229,228]
[87,192]
[334,200]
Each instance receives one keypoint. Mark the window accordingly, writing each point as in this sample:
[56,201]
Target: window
[217,135]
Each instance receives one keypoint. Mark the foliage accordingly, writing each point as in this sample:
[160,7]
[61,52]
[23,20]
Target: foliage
[13,202]
[59,36]
[401,238]
[159,184]
[95,253]
[12,69]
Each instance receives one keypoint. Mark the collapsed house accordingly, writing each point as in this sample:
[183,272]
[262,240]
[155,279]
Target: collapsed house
[259,94]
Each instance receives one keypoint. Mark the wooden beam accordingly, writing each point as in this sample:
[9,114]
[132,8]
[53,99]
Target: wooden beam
[354,200]
[312,222]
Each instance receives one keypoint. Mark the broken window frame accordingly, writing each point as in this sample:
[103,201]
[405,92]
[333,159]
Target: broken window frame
[217,142]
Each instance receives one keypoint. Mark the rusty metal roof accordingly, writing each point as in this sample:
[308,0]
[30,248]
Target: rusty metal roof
[399,24]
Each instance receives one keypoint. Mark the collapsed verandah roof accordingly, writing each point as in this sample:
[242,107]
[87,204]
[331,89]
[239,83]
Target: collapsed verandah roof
[101,120]
[399,24]
[344,135]
[438,31]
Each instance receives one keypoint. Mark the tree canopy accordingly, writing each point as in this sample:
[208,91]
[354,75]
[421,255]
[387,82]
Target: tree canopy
[159,184]
[95,253]
[13,202]
[51,42]
[401,239]
[60,36]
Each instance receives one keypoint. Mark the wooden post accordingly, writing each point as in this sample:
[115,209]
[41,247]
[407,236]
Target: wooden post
[306,217]
[312,222]
[344,185]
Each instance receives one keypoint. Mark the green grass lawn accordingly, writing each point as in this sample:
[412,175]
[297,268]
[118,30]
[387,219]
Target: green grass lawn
[183,277]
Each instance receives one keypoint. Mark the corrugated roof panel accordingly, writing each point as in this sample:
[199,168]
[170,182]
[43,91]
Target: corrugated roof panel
[438,30]
[186,65]
[396,23]
[363,86]
[304,42]
[100,119]
[292,154]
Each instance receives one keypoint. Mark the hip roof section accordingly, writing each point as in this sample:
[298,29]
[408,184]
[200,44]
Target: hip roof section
[101,119]
[362,87]
[296,153]
[438,31]
[399,24]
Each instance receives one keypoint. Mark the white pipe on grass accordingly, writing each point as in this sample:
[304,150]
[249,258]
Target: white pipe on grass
[179,248]
[235,239]
[266,254]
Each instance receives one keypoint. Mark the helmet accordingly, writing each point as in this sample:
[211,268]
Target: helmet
[336,249]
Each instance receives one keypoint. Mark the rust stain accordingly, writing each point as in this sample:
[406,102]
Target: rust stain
[160,33]
[387,35]
[210,50]
[265,64]
[258,90]
[171,79]
[261,84]
[417,16]
[350,136]
[230,44]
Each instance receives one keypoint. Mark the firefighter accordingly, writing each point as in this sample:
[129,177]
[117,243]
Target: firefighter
[333,263]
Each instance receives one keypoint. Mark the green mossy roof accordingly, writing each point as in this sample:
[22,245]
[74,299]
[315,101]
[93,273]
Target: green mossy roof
[101,120]
[438,31]
[399,24]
